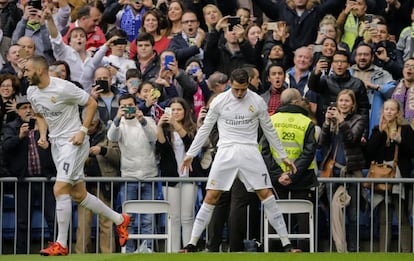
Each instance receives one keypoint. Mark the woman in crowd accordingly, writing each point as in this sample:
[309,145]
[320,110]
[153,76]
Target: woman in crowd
[341,141]
[393,133]
[151,25]
[175,12]
[176,131]
[211,15]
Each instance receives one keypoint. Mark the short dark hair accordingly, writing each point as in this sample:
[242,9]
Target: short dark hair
[240,76]
[132,73]
[41,61]
[344,53]
[125,97]
[145,37]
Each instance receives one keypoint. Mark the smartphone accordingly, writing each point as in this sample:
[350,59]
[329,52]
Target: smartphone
[368,18]
[168,111]
[103,85]
[233,20]
[120,41]
[194,69]
[168,59]
[271,26]
[37,4]
[32,123]
[22,53]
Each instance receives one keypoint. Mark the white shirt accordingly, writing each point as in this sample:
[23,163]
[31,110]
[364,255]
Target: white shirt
[58,103]
[238,122]
[137,145]
[81,71]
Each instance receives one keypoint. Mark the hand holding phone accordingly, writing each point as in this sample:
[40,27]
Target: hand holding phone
[103,85]
[32,123]
[167,60]
[233,20]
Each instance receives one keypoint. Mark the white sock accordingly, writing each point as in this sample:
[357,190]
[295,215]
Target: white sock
[98,207]
[276,218]
[63,215]
[201,221]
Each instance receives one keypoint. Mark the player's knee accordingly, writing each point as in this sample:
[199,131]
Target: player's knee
[78,196]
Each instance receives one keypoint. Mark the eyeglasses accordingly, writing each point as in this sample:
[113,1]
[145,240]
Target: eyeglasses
[340,61]
[6,86]
[409,66]
[189,22]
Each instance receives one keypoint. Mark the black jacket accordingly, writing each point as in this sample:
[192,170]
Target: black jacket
[16,151]
[218,55]
[378,151]
[304,178]
[302,29]
[351,131]
[329,87]
[168,163]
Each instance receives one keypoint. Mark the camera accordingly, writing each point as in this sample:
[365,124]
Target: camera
[120,41]
[332,106]
[37,4]
[130,110]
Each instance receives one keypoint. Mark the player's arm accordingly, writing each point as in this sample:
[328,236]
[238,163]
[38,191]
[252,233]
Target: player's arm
[90,108]
[42,125]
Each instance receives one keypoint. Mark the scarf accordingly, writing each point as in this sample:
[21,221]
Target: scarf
[405,96]
[33,25]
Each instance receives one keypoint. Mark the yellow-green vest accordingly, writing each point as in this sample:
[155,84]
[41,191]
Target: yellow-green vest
[351,30]
[291,128]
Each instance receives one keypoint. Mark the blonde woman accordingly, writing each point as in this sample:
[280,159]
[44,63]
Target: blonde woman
[341,141]
[211,15]
[393,132]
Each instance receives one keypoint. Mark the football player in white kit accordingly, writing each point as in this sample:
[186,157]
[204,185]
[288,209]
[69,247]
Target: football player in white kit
[238,114]
[55,102]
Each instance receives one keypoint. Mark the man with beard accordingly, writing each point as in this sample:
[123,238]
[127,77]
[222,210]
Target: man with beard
[374,78]
[190,41]
[328,86]
[55,102]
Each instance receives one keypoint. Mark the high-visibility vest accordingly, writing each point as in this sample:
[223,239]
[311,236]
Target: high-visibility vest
[291,128]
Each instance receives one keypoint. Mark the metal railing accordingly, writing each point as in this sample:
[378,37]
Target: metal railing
[38,232]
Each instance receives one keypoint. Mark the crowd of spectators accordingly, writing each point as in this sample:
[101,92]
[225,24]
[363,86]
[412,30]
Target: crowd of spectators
[345,57]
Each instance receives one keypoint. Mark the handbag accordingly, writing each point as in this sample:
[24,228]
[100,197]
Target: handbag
[382,171]
[327,170]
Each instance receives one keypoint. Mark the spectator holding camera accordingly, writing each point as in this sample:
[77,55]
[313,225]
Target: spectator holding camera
[24,158]
[328,86]
[136,135]
[117,63]
[195,69]
[32,25]
[105,94]
[340,139]
[176,131]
